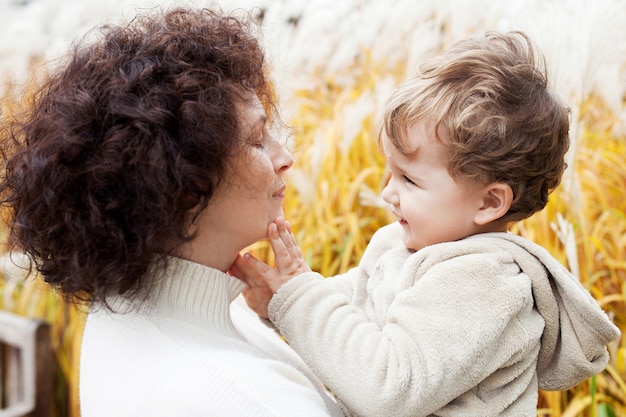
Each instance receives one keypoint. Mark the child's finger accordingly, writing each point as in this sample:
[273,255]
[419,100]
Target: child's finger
[249,270]
[297,251]
[253,266]
[288,255]
[282,254]
[289,240]
[236,271]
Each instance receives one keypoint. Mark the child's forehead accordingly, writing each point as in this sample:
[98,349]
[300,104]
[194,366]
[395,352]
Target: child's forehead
[417,134]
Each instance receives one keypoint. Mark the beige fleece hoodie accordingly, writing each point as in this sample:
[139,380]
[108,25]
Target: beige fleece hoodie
[467,328]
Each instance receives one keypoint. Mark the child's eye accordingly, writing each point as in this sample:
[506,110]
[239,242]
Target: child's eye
[408,180]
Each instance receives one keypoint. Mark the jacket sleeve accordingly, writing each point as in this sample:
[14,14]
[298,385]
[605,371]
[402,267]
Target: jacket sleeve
[442,335]
[353,283]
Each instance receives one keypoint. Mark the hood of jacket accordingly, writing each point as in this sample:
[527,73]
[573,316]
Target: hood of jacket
[577,330]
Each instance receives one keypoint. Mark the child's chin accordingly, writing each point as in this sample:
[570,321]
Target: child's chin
[406,238]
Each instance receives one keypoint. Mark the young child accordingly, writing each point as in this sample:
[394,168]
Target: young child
[447,314]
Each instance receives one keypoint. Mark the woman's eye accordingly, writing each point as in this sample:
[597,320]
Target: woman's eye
[258,142]
[262,140]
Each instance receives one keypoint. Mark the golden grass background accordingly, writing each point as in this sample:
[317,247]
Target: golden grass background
[332,203]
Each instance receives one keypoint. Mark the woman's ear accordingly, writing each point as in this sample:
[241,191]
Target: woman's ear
[497,200]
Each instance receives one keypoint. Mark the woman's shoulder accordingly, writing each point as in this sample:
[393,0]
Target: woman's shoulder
[210,371]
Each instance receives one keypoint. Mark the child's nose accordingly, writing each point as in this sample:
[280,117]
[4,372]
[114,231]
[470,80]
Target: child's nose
[389,194]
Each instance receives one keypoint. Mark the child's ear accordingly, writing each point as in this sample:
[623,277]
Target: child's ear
[497,199]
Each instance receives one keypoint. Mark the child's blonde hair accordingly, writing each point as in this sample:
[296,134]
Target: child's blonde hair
[491,96]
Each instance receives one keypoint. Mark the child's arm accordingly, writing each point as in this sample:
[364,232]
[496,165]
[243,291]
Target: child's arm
[431,343]
[261,280]
[351,283]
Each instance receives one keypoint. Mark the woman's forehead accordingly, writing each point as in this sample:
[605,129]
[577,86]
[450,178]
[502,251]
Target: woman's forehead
[252,114]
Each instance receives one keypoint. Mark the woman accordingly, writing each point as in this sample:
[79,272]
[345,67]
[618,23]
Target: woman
[145,165]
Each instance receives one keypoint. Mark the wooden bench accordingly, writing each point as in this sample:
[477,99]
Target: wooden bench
[26,367]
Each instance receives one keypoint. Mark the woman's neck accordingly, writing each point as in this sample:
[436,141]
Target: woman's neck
[219,256]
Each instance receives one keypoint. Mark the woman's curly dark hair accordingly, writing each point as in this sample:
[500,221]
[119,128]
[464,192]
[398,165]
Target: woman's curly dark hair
[124,142]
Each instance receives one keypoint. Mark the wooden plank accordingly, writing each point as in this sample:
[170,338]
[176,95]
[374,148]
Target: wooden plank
[45,367]
[28,367]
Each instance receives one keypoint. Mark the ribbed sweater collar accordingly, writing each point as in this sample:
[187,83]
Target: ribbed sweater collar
[189,292]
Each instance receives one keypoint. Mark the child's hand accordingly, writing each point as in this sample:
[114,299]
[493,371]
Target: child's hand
[261,280]
[257,293]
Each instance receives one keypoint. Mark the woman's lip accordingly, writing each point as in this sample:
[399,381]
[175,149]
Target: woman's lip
[280,193]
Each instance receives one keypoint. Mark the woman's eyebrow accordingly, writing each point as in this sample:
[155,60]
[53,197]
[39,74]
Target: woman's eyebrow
[259,122]
[262,120]
[256,120]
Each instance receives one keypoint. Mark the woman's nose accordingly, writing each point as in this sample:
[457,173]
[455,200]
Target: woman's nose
[284,159]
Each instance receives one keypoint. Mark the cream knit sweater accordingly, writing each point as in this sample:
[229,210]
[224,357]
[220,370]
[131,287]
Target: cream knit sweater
[190,351]
[467,328]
